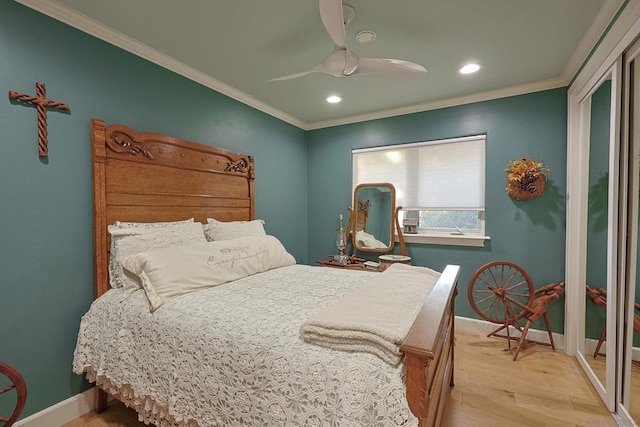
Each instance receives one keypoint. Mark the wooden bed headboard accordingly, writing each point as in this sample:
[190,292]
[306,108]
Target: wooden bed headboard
[149,177]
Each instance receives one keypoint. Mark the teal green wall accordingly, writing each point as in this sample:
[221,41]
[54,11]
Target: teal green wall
[46,258]
[529,233]
[46,249]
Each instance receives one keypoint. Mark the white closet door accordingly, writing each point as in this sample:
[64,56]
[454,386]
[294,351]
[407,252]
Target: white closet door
[628,359]
[600,232]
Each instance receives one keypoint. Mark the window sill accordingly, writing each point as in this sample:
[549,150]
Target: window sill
[446,239]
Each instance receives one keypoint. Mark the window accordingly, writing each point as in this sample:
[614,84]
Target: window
[439,184]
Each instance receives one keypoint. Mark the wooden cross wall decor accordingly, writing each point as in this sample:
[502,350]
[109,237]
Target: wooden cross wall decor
[42,103]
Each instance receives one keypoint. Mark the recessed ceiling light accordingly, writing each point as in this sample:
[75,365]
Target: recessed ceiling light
[365,36]
[470,68]
[334,99]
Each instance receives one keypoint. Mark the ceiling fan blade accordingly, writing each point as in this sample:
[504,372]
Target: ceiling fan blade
[331,14]
[377,65]
[290,76]
[319,68]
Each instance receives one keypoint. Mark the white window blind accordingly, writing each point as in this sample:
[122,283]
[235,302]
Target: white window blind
[435,175]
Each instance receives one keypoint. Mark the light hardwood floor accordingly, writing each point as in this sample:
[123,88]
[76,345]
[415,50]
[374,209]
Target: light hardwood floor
[541,388]
[599,367]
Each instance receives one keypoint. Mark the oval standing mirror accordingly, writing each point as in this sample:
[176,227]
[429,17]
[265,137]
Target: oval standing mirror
[372,223]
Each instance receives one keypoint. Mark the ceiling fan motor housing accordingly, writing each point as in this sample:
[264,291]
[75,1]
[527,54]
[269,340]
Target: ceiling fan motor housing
[348,13]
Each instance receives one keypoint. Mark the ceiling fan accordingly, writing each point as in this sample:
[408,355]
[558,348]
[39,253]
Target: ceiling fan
[342,62]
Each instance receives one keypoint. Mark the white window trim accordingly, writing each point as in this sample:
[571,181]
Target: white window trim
[470,239]
[474,240]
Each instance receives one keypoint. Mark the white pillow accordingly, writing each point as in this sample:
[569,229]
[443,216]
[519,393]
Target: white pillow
[129,241]
[120,224]
[168,272]
[366,240]
[218,230]
[115,271]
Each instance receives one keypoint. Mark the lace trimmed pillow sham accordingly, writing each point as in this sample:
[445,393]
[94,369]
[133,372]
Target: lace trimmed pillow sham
[219,230]
[171,271]
[129,241]
[121,224]
[114,280]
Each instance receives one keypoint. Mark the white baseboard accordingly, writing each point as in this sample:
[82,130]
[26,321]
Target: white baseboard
[60,413]
[484,327]
[590,348]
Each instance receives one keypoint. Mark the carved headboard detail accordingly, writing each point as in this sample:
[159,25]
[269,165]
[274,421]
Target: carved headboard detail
[149,177]
[122,142]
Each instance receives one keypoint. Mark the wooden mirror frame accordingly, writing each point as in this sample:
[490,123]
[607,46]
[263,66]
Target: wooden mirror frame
[354,213]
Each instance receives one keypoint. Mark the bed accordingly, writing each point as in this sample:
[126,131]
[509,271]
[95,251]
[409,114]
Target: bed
[225,355]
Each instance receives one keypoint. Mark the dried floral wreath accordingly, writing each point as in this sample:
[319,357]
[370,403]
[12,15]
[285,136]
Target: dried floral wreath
[526,178]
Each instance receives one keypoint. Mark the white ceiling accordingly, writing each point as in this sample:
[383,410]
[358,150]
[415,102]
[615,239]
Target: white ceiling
[235,46]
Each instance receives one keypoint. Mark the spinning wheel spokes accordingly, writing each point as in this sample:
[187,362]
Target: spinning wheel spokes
[16,383]
[500,292]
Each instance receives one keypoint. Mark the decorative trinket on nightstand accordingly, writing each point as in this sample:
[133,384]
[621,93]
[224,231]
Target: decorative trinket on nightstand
[410,222]
[341,243]
[387,260]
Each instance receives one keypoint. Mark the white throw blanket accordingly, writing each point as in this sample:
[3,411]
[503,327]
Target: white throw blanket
[375,317]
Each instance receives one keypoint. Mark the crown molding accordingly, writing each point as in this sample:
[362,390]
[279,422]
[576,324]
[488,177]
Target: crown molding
[619,36]
[590,40]
[116,38]
[92,27]
[451,102]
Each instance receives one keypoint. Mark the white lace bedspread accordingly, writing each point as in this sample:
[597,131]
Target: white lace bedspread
[232,355]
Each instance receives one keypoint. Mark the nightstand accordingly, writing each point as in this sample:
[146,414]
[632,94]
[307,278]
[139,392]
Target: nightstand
[353,264]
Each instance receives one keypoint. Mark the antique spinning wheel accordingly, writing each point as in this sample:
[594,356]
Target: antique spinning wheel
[17,383]
[500,292]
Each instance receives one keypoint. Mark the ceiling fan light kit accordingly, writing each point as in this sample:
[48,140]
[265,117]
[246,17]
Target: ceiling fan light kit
[342,62]
[366,36]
